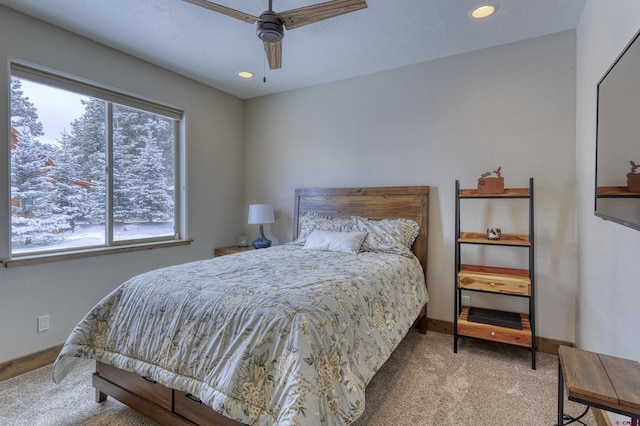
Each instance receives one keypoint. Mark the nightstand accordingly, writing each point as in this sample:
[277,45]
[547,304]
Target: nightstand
[223,251]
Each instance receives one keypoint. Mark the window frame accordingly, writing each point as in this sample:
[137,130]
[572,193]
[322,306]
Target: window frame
[111,96]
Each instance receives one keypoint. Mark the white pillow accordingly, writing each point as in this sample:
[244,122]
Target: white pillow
[312,220]
[345,242]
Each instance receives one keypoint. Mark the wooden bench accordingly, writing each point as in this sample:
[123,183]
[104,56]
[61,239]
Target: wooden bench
[597,380]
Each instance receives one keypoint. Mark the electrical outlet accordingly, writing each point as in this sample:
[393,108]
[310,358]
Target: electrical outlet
[466,300]
[44,323]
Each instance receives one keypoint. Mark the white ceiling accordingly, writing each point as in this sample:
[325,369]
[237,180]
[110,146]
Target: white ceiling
[213,48]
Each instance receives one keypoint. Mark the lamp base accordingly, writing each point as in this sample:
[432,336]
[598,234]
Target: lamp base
[261,241]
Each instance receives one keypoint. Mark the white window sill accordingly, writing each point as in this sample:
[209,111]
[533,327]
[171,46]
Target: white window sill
[56,257]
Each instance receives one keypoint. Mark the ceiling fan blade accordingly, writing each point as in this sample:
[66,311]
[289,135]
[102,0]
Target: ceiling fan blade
[295,18]
[225,10]
[274,54]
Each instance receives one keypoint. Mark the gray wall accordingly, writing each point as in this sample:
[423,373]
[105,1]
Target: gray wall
[67,290]
[430,124]
[609,272]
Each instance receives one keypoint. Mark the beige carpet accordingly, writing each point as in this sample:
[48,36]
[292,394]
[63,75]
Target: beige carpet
[424,383]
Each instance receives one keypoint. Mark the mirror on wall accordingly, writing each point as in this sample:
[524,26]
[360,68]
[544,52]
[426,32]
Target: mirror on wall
[617,196]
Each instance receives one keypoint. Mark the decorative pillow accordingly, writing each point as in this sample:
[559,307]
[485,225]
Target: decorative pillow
[345,242]
[311,220]
[387,235]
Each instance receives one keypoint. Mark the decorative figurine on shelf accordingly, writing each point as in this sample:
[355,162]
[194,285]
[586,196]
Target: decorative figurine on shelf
[494,233]
[491,185]
[243,241]
[633,178]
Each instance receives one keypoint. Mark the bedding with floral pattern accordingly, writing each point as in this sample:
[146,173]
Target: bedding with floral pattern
[279,336]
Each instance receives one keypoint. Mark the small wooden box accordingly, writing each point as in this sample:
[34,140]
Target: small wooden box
[633,182]
[491,185]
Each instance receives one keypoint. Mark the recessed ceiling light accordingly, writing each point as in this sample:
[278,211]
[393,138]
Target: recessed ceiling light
[245,74]
[484,11]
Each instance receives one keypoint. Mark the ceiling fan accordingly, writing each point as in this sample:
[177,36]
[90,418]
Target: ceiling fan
[270,23]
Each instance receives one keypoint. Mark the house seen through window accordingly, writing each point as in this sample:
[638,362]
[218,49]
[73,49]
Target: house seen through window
[89,167]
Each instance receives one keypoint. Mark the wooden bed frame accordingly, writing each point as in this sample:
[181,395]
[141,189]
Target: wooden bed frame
[171,407]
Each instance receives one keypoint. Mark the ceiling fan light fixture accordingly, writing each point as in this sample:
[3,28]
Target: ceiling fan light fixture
[270,27]
[483,11]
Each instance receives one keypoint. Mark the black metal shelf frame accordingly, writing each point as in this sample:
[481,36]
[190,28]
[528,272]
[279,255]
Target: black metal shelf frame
[530,247]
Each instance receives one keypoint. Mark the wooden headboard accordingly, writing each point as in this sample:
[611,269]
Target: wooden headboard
[411,202]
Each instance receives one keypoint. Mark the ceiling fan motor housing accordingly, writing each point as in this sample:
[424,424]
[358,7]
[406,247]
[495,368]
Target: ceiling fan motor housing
[270,27]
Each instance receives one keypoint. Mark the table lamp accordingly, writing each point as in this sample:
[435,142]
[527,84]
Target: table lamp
[260,214]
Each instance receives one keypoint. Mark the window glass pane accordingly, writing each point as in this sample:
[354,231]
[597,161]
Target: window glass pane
[89,167]
[143,174]
[57,168]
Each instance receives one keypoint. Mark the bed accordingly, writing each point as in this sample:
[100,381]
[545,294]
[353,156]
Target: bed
[287,335]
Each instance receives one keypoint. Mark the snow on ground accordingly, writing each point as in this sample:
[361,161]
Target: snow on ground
[94,236]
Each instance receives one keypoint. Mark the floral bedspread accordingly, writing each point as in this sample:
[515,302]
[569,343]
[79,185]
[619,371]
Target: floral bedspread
[282,336]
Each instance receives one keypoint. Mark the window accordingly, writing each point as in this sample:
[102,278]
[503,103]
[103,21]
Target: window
[90,167]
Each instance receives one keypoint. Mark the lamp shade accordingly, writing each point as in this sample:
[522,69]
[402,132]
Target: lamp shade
[260,213]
